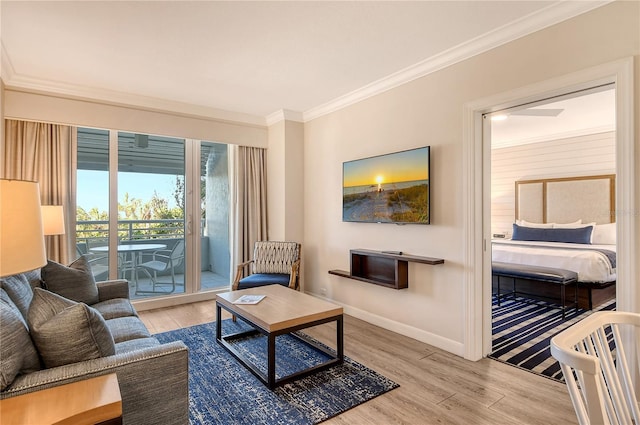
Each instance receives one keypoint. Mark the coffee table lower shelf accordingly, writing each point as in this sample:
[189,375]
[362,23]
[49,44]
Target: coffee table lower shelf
[269,379]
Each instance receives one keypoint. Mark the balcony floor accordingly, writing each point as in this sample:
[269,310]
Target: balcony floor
[209,280]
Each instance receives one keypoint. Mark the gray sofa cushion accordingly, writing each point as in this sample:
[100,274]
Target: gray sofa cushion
[126,328]
[17,353]
[75,282]
[118,307]
[19,290]
[67,332]
[136,344]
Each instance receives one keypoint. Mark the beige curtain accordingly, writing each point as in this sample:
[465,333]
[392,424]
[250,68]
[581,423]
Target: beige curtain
[249,201]
[44,153]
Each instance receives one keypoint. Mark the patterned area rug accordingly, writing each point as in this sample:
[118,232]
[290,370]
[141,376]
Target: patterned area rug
[222,391]
[522,332]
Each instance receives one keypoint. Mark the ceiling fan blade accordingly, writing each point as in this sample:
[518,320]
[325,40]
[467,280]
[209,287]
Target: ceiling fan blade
[538,112]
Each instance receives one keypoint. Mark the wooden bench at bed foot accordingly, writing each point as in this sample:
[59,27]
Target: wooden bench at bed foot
[548,275]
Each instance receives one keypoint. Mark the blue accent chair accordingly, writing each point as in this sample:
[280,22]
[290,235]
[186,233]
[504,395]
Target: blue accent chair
[272,263]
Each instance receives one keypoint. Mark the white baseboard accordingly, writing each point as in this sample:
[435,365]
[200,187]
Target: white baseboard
[438,341]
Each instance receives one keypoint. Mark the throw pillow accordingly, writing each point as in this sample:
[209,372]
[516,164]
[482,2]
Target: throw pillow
[74,282]
[67,332]
[581,235]
[16,350]
[19,290]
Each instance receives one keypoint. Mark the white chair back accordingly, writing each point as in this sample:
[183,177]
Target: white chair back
[596,362]
[177,254]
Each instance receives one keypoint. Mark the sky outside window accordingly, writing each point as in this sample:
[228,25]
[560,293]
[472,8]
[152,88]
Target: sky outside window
[93,188]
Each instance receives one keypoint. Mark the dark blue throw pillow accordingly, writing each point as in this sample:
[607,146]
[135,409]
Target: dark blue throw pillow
[579,235]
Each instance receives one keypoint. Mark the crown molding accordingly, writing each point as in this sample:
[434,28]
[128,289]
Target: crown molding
[282,115]
[526,25]
[6,67]
[25,83]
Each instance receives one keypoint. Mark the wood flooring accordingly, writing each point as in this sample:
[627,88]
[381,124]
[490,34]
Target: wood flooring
[436,387]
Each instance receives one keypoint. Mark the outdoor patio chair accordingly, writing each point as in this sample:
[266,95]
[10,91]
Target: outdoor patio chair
[160,261]
[99,263]
[597,356]
[273,262]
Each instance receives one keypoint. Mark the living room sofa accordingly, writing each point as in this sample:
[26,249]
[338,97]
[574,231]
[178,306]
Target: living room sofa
[153,377]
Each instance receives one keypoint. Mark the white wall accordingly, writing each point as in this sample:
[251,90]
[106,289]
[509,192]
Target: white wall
[276,180]
[429,111]
[285,180]
[55,109]
[590,155]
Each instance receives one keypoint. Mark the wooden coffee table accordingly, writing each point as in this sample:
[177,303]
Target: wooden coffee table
[282,311]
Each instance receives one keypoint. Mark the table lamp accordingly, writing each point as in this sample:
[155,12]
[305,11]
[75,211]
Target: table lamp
[53,220]
[21,234]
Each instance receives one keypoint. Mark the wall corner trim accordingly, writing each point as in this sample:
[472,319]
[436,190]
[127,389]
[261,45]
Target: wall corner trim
[282,115]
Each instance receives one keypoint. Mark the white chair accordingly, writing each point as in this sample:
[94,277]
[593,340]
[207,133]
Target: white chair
[598,375]
[161,261]
[99,263]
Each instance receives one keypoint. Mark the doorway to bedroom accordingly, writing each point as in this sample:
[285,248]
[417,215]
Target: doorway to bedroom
[553,167]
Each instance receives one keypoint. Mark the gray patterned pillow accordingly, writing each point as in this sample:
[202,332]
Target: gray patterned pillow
[67,332]
[16,348]
[74,282]
[19,290]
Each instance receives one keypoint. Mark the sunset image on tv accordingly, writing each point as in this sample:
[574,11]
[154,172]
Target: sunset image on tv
[391,188]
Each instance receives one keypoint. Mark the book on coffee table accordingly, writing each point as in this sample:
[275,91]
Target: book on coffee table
[249,299]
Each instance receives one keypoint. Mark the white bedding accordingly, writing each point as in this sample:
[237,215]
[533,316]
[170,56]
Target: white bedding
[591,265]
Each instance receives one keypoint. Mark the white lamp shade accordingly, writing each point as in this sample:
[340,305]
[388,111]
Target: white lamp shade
[21,236]
[53,219]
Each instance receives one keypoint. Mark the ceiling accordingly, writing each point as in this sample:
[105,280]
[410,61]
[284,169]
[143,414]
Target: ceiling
[588,112]
[252,61]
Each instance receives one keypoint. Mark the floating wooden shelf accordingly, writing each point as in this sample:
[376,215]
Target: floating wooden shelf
[383,268]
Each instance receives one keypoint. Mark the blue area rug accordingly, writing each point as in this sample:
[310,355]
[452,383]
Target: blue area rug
[222,391]
[522,332]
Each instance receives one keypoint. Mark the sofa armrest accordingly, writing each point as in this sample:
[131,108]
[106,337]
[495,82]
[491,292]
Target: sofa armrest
[154,382]
[110,289]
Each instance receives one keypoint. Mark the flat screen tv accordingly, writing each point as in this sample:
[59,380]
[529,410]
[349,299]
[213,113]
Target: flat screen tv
[391,188]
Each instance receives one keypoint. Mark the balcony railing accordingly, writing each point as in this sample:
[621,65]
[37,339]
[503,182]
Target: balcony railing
[95,232]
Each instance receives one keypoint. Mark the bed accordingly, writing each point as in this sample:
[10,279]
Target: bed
[566,224]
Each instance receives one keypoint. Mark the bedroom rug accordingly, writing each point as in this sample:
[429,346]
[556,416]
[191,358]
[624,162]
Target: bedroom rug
[222,391]
[522,332]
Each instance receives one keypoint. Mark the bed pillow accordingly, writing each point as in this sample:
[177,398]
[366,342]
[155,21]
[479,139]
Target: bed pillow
[604,234]
[524,223]
[573,225]
[581,235]
[75,282]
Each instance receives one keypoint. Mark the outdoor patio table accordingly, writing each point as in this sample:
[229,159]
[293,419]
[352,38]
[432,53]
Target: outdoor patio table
[132,250]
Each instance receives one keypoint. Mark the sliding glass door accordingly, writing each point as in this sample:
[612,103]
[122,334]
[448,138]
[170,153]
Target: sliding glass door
[154,210]
[151,213]
[214,215]
[92,200]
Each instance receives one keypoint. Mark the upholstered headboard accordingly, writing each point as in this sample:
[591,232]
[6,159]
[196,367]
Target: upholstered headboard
[565,200]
